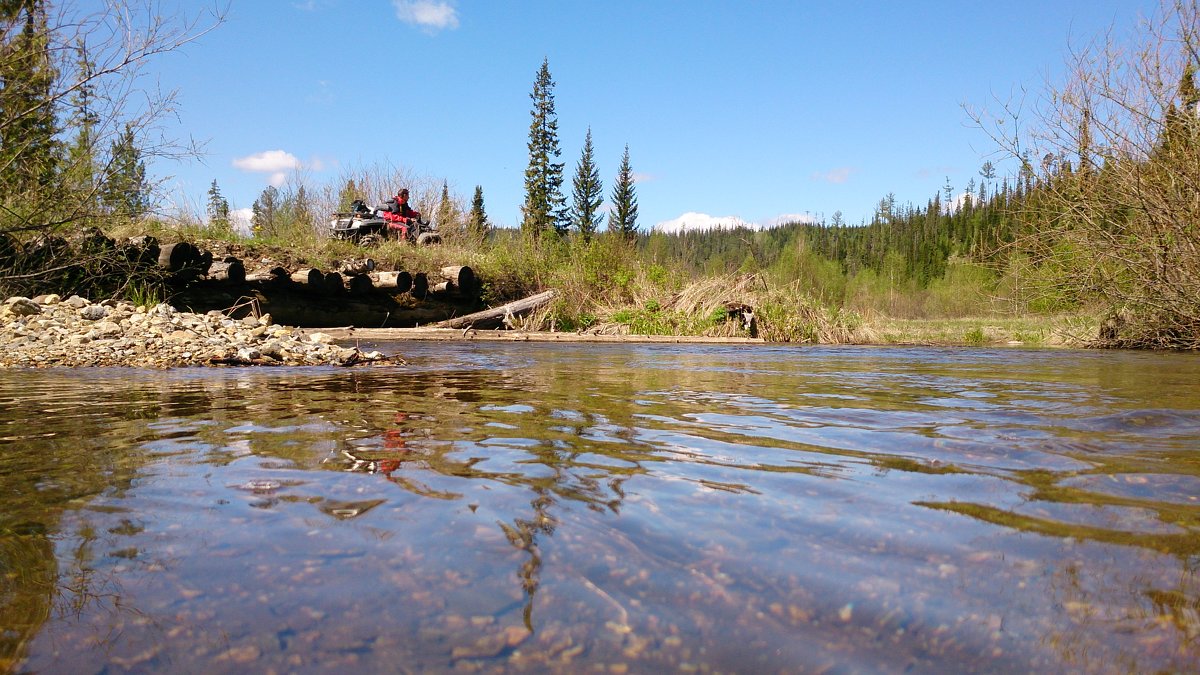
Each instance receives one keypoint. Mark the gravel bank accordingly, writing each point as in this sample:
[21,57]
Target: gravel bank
[48,331]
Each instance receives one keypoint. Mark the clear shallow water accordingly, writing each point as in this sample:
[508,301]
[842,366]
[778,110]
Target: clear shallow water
[640,508]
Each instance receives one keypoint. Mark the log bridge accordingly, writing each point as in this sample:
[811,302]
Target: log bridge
[356,293]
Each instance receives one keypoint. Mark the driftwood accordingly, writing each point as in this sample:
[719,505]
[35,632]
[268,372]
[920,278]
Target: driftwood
[490,318]
[451,334]
[401,280]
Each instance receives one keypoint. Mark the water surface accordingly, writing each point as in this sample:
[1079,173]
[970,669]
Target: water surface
[627,508]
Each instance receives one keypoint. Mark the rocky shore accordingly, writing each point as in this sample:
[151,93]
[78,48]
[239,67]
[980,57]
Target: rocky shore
[49,331]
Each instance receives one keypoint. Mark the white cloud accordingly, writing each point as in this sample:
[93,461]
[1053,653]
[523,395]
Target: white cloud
[240,219]
[700,221]
[837,176]
[431,15]
[786,218]
[276,163]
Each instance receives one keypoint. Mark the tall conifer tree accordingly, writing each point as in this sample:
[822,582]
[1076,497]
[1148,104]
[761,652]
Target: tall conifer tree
[477,221]
[545,206]
[589,192]
[28,149]
[124,191]
[622,219]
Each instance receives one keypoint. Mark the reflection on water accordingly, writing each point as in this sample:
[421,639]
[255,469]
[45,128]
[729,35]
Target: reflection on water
[631,508]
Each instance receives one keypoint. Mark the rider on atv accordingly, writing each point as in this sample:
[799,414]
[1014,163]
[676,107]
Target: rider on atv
[398,214]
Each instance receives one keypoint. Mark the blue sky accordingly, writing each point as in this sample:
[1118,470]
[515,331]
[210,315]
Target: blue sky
[745,109]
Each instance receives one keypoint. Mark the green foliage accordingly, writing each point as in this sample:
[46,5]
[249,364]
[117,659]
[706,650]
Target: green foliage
[477,220]
[975,337]
[125,193]
[545,206]
[622,219]
[588,192]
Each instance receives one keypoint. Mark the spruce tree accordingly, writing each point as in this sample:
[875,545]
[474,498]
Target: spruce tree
[124,191]
[29,151]
[477,221]
[265,212]
[622,219]
[445,210]
[589,192]
[545,206]
[79,173]
[218,208]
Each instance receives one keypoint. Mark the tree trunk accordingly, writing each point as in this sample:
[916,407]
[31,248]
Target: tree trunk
[490,318]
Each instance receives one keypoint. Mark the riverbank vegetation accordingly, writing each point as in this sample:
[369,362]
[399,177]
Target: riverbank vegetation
[1091,239]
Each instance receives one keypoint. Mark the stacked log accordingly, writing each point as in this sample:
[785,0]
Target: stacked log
[335,283]
[361,284]
[276,275]
[420,286]
[229,269]
[311,278]
[142,251]
[400,280]
[184,261]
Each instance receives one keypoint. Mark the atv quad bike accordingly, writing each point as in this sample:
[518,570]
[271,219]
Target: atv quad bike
[368,226]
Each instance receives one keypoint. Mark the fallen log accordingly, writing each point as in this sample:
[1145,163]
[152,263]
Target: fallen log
[495,316]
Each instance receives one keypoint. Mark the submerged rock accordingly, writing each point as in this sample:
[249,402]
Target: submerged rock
[52,332]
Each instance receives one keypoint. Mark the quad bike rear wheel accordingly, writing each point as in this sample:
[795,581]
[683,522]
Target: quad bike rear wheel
[428,238]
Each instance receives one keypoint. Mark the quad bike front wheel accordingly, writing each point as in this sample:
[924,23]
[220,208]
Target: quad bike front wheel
[370,240]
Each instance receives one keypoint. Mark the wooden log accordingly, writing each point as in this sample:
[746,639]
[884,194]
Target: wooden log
[495,316]
[420,286]
[461,276]
[175,257]
[360,284]
[274,274]
[228,270]
[142,251]
[334,283]
[311,278]
[401,280]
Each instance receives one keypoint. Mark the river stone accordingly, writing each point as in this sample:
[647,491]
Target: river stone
[77,302]
[94,312]
[22,307]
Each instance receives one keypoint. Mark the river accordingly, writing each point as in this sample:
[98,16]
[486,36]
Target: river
[614,508]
